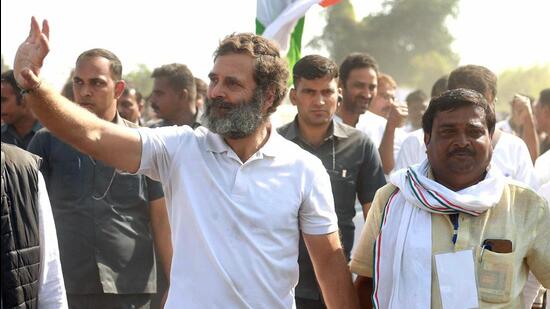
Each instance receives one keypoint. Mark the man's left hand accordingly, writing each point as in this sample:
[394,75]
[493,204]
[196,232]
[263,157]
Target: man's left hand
[30,55]
[398,114]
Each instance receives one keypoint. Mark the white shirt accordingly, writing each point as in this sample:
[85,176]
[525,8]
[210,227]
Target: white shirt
[235,226]
[413,150]
[408,127]
[510,156]
[542,167]
[504,126]
[374,126]
[544,191]
[51,289]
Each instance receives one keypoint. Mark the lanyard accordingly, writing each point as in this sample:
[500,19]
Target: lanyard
[454,221]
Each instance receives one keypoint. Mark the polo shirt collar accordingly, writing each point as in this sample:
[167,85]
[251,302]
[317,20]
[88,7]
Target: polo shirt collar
[118,120]
[293,131]
[215,143]
[335,129]
[37,126]
[338,129]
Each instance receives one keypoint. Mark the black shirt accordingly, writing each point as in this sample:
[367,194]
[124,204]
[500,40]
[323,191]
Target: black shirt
[164,123]
[10,136]
[353,164]
[102,220]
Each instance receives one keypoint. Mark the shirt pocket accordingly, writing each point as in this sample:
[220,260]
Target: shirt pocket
[68,179]
[127,189]
[495,276]
[343,191]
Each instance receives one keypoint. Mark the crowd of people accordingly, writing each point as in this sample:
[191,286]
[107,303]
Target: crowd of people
[189,197]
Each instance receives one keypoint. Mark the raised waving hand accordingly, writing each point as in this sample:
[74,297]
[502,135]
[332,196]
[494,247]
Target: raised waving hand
[30,55]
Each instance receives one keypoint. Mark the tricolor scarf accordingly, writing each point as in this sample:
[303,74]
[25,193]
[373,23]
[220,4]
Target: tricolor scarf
[403,248]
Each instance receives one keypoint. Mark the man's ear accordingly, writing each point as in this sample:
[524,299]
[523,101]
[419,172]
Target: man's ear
[269,98]
[184,94]
[292,96]
[119,88]
[427,137]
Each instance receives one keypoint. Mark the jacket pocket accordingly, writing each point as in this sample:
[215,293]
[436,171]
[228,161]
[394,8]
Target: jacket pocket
[495,276]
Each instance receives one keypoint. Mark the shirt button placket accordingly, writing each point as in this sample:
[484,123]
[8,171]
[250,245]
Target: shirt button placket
[239,188]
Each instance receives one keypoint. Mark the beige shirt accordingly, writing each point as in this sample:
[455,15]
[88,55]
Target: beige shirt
[520,216]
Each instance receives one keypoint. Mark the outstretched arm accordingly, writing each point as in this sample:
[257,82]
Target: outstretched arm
[115,145]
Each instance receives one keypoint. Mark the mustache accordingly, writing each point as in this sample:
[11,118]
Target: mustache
[220,103]
[461,151]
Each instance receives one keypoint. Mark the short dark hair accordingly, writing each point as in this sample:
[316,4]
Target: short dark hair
[9,78]
[474,77]
[179,77]
[356,61]
[201,87]
[115,64]
[67,91]
[544,97]
[439,86]
[313,67]
[270,69]
[133,91]
[457,98]
[416,96]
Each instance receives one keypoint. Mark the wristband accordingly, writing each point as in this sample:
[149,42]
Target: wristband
[30,90]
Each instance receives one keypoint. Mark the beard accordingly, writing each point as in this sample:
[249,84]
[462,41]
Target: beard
[232,120]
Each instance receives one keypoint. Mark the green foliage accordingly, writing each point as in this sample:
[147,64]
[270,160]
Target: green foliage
[408,38]
[140,79]
[529,81]
[5,66]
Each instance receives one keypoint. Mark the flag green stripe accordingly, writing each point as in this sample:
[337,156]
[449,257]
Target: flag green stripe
[260,28]
[295,47]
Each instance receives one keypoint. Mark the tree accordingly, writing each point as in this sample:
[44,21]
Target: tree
[529,81]
[408,38]
[140,79]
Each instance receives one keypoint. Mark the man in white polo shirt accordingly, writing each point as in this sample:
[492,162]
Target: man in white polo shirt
[238,193]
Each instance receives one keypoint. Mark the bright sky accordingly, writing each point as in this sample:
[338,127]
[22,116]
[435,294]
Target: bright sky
[494,33]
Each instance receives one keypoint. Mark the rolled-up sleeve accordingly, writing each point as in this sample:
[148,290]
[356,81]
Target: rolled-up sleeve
[362,258]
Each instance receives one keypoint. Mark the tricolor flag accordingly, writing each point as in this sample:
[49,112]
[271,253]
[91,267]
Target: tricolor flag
[283,22]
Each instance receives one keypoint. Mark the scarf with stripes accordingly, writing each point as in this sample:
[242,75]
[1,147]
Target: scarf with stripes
[403,248]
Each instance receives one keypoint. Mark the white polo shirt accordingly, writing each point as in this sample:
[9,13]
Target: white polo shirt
[235,226]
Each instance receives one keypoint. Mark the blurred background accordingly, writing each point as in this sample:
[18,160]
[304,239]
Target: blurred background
[415,41]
